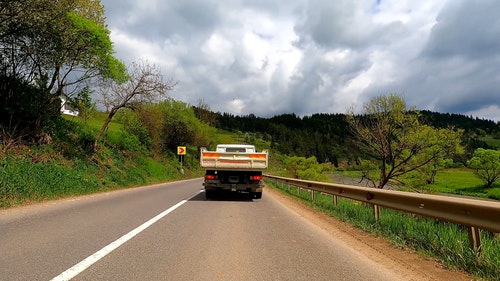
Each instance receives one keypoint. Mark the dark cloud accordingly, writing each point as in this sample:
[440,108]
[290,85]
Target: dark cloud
[468,29]
[458,68]
[157,20]
[345,24]
[308,56]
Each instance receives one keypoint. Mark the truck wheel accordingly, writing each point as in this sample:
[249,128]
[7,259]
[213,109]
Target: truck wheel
[257,195]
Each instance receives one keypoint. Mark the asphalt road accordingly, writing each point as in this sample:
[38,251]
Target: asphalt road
[181,236]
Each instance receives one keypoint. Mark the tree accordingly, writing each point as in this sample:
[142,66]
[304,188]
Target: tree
[163,126]
[204,113]
[393,136]
[54,47]
[307,168]
[448,144]
[486,165]
[182,127]
[145,85]
[83,102]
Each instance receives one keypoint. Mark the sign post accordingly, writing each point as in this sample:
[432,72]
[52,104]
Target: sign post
[181,151]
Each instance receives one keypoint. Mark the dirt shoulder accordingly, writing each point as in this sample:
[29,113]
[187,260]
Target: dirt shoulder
[404,262]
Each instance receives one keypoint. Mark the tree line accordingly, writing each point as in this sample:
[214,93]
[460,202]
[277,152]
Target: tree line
[389,141]
[327,135]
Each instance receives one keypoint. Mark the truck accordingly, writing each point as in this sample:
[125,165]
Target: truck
[235,168]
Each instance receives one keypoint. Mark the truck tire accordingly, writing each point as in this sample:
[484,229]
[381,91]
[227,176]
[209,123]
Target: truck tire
[257,195]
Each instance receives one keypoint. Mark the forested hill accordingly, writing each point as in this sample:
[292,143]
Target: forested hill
[326,136]
[468,123]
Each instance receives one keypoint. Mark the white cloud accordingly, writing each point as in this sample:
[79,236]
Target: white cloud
[218,50]
[311,56]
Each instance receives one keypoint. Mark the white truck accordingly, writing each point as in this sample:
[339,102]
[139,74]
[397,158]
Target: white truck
[233,167]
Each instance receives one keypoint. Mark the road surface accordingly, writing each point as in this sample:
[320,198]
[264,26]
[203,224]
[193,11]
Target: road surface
[171,232]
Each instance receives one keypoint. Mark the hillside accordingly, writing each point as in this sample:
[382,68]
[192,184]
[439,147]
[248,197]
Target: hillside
[140,146]
[327,136]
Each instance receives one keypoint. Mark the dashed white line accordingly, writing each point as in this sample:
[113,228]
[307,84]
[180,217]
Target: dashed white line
[90,260]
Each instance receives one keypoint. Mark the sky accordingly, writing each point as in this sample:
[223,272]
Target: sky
[270,57]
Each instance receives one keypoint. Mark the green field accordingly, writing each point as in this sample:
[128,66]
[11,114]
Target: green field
[464,182]
[492,141]
[456,181]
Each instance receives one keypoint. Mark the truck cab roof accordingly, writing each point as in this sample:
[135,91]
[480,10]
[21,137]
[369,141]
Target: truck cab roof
[243,148]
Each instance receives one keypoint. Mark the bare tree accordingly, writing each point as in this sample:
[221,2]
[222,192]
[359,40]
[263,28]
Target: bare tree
[144,85]
[203,112]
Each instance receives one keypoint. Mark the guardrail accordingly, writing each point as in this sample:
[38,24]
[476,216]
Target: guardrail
[473,213]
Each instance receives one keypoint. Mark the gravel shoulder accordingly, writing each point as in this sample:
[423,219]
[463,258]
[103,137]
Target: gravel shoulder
[403,262]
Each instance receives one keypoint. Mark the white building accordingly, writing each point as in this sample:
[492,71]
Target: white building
[66,108]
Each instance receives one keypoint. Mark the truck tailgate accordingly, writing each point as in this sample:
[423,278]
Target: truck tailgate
[237,161]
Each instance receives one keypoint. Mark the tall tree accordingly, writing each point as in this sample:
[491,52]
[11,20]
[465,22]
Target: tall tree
[145,85]
[54,46]
[394,137]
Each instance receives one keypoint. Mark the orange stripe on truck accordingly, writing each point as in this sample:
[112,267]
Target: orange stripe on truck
[233,162]
[211,155]
[257,156]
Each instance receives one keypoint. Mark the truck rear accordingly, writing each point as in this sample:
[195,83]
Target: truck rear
[234,167]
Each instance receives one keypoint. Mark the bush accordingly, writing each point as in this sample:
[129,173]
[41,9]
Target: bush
[486,165]
[493,193]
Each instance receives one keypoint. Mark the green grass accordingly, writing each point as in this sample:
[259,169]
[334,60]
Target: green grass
[462,181]
[22,181]
[63,169]
[491,141]
[352,174]
[456,181]
[446,242]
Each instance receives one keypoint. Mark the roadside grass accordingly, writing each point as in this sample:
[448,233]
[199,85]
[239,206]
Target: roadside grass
[33,174]
[443,241]
[23,181]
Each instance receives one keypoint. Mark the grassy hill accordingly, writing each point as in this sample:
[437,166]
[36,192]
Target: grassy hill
[63,168]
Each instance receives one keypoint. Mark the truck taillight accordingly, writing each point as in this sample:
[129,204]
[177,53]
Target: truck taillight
[210,177]
[256,178]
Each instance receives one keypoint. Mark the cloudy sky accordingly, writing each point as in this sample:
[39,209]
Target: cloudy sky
[269,57]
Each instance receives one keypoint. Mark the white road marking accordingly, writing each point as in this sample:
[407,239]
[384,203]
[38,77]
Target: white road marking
[90,260]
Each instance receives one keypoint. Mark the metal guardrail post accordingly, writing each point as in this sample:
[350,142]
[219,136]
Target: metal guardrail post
[376,212]
[475,239]
[335,200]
